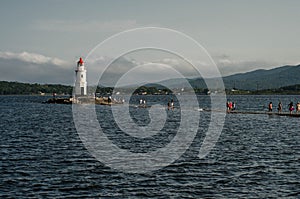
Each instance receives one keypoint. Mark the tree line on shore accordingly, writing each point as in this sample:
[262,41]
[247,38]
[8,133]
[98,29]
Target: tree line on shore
[17,88]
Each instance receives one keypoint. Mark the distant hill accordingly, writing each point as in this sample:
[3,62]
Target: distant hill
[264,79]
[254,80]
[17,88]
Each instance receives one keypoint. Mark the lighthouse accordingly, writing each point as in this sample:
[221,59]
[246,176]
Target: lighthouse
[80,82]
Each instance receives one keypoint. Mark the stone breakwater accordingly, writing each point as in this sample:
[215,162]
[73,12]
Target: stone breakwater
[84,100]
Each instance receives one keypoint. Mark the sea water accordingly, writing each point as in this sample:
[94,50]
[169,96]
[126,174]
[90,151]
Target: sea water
[42,155]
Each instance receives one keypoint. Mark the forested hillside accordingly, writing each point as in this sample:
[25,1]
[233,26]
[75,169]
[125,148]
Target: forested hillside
[17,88]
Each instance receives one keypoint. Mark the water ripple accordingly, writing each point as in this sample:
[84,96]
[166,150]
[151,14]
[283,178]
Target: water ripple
[42,156]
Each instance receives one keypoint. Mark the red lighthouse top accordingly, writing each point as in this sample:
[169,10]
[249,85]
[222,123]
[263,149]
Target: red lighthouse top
[80,62]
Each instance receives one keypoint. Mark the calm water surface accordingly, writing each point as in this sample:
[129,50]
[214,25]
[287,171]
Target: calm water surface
[41,154]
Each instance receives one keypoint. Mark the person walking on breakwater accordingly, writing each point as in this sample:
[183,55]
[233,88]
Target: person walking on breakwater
[270,107]
[229,106]
[233,106]
[297,107]
[279,108]
[169,105]
[172,104]
[291,107]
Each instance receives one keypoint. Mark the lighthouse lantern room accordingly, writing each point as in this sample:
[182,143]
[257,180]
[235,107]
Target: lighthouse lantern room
[80,82]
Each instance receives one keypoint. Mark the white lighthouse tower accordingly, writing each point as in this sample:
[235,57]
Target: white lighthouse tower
[80,82]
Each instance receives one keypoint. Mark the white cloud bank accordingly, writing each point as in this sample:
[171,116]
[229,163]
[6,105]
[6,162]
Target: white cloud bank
[37,68]
[33,58]
[228,65]
[34,68]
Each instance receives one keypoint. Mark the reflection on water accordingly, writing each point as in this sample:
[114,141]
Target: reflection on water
[42,155]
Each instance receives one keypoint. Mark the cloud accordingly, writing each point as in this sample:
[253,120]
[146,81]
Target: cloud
[143,71]
[170,61]
[228,65]
[32,58]
[35,68]
[85,26]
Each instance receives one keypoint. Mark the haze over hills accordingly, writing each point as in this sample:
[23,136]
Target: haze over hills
[260,79]
[254,80]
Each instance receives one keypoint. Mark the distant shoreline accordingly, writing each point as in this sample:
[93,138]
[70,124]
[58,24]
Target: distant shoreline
[26,89]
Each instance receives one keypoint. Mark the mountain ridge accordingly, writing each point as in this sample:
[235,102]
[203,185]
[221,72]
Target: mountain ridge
[264,79]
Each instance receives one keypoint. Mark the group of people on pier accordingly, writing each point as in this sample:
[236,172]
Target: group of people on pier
[291,107]
[143,103]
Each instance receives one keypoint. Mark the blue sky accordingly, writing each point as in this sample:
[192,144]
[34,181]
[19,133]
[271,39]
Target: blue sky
[240,35]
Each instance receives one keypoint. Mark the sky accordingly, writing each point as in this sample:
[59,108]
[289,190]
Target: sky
[42,40]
